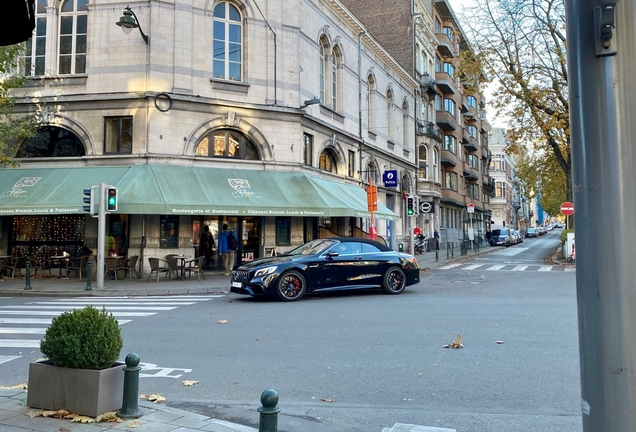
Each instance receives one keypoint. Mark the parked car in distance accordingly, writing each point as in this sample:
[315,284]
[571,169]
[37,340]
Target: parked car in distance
[323,265]
[531,232]
[519,236]
[501,237]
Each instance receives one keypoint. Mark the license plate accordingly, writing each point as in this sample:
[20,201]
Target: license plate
[237,285]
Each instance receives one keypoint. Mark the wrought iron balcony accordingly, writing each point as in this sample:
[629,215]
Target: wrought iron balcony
[429,129]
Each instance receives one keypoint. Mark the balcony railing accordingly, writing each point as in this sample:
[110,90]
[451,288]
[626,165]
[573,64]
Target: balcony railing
[429,129]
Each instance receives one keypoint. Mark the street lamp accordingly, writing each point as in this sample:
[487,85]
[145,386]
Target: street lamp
[129,21]
[315,100]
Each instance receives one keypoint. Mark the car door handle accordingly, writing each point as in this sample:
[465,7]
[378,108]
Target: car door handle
[358,257]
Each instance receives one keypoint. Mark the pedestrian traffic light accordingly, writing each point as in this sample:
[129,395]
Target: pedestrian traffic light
[111,199]
[89,198]
[410,206]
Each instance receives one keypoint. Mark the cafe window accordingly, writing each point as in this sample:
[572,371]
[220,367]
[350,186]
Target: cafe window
[308,148]
[227,144]
[169,232]
[352,163]
[118,135]
[283,231]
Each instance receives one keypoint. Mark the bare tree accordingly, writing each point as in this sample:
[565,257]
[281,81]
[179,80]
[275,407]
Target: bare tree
[521,47]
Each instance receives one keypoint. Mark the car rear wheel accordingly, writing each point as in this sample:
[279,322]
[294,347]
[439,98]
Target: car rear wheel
[394,281]
[291,286]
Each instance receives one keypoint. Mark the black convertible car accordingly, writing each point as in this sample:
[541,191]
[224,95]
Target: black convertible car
[339,263]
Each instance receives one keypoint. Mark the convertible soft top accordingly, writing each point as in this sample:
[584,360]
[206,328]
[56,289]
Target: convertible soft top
[379,245]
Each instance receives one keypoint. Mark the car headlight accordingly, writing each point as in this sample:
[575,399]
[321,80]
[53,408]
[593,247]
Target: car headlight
[265,271]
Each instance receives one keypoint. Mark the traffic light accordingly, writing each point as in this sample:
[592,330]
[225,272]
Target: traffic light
[410,206]
[111,199]
[89,198]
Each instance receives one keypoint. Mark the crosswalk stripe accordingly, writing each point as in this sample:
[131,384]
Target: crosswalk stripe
[39,321]
[19,343]
[545,268]
[151,298]
[472,267]
[450,266]
[496,267]
[18,330]
[155,308]
[40,313]
[4,359]
[570,269]
[108,304]
[520,268]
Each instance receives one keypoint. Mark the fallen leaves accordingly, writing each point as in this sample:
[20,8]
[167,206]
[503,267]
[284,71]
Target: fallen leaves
[63,414]
[499,342]
[329,400]
[188,383]
[21,386]
[456,343]
[133,424]
[221,322]
[156,398]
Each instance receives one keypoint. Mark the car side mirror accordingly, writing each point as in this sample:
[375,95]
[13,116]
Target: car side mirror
[332,254]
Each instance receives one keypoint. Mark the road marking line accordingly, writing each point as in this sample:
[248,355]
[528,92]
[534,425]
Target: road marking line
[520,268]
[496,267]
[5,359]
[73,303]
[19,343]
[39,321]
[155,308]
[472,267]
[545,268]
[570,269]
[450,266]
[152,298]
[40,313]
[17,330]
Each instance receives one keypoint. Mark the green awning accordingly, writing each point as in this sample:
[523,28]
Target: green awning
[165,189]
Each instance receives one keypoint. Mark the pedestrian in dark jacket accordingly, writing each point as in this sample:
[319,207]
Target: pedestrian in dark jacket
[207,246]
[225,251]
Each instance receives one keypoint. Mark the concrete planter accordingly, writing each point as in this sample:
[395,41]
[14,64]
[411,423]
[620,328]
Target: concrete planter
[81,391]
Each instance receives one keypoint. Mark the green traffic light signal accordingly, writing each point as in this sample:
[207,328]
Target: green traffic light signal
[111,199]
[409,207]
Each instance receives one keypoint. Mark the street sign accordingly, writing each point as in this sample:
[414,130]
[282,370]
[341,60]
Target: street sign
[390,178]
[426,207]
[567,208]
[470,208]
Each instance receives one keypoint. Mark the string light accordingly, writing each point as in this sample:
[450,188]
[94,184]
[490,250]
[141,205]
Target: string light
[46,229]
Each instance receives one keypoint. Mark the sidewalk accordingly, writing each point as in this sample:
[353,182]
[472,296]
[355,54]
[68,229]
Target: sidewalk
[156,417]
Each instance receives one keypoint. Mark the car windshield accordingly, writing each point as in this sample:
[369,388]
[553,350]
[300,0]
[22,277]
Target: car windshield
[530,229]
[314,247]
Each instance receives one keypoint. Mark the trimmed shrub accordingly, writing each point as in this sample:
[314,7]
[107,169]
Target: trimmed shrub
[83,339]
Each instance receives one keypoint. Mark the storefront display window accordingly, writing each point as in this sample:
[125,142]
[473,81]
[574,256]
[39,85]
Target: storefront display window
[283,231]
[169,234]
[42,234]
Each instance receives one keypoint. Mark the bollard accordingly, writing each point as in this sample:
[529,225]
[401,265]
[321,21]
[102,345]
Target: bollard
[89,276]
[27,286]
[269,413]
[130,407]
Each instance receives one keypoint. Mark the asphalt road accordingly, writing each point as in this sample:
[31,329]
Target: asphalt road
[363,361]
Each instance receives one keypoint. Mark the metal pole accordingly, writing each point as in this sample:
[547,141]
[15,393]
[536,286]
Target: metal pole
[89,274]
[268,421]
[27,269]
[601,62]
[101,235]
[130,405]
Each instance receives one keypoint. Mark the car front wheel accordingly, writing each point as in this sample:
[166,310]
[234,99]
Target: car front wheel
[394,281]
[291,286]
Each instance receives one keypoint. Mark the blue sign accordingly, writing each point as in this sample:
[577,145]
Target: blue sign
[390,178]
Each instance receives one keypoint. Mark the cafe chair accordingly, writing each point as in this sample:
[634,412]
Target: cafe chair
[111,266]
[130,266]
[77,265]
[196,266]
[173,264]
[11,265]
[41,265]
[158,266]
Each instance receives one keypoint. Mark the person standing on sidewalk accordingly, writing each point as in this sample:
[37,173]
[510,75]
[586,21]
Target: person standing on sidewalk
[224,249]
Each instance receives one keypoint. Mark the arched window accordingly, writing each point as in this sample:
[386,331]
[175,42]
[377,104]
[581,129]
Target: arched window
[328,161]
[390,115]
[371,173]
[336,78]
[35,52]
[227,144]
[423,162]
[371,103]
[73,30]
[228,41]
[51,141]
[324,51]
